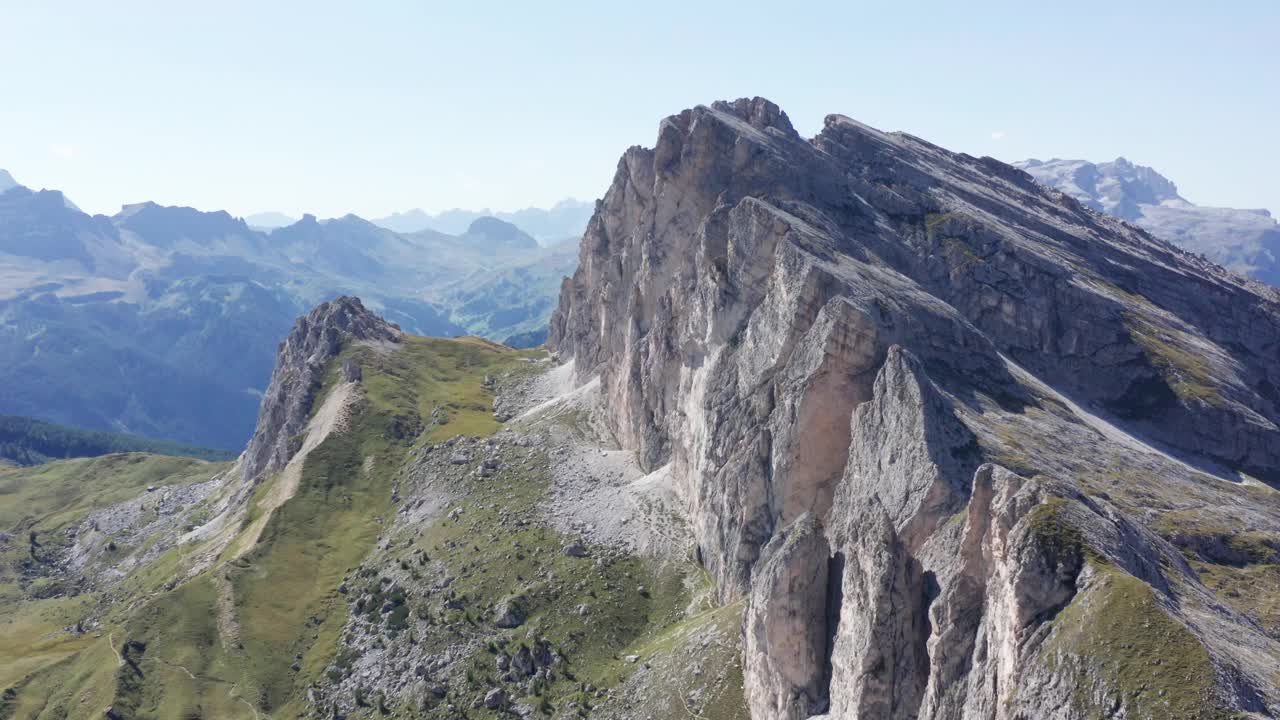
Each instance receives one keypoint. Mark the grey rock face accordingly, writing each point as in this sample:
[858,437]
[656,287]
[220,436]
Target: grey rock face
[887,337]
[510,613]
[351,371]
[909,454]
[495,698]
[315,339]
[736,270]
[907,471]
[878,654]
[785,627]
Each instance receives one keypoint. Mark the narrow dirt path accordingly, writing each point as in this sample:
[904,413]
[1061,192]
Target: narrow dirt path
[232,689]
[228,626]
[111,640]
[231,692]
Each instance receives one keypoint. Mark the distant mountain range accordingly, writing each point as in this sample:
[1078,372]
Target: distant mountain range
[161,320]
[24,441]
[565,220]
[1247,241]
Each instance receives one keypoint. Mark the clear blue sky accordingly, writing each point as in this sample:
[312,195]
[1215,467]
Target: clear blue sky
[379,106]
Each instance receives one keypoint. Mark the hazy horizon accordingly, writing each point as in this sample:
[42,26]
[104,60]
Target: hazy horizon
[316,109]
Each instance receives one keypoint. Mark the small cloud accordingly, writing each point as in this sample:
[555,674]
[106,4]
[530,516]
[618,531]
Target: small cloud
[998,135]
[62,151]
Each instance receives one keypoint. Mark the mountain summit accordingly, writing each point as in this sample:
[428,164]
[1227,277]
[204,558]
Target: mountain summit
[935,423]
[565,219]
[1117,188]
[490,233]
[303,357]
[1247,241]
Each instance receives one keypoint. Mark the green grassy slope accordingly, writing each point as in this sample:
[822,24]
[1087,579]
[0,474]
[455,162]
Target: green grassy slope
[50,497]
[38,612]
[254,634]
[263,627]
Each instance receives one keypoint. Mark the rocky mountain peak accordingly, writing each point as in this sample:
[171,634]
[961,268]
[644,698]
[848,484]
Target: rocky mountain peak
[758,112]
[862,330]
[303,356]
[1119,187]
[169,226]
[353,220]
[1244,240]
[269,220]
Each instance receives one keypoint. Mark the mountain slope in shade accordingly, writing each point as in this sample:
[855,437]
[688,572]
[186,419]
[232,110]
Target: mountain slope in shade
[24,441]
[1247,241]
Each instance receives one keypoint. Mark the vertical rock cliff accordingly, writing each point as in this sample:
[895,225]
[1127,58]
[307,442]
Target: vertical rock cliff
[945,430]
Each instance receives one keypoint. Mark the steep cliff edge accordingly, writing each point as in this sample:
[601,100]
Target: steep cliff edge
[1012,416]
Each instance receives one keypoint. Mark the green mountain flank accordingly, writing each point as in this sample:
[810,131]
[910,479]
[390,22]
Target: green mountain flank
[25,441]
[408,528]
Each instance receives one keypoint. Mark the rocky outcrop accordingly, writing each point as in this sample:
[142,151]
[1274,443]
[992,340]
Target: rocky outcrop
[871,334]
[785,628]
[877,656]
[301,361]
[909,456]
[907,472]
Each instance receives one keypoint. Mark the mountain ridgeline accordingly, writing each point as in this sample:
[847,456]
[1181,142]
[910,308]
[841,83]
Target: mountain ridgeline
[1247,241]
[847,427]
[550,226]
[181,309]
[563,221]
[958,441]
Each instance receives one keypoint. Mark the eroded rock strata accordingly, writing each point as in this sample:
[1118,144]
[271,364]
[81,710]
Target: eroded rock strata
[936,423]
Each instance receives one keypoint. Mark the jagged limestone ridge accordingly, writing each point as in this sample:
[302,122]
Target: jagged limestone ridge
[865,329]
[301,360]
